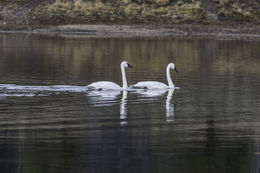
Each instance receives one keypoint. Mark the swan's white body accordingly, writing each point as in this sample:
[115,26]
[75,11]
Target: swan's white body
[151,85]
[158,85]
[107,85]
[104,85]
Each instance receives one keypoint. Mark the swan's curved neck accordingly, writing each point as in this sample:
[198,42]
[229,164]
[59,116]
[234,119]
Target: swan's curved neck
[169,79]
[124,78]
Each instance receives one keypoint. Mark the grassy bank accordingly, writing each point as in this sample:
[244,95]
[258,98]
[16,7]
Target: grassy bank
[127,11]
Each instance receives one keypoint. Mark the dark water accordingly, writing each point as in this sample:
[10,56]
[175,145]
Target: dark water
[211,124]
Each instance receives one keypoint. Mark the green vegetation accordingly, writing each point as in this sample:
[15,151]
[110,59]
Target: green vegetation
[240,11]
[125,11]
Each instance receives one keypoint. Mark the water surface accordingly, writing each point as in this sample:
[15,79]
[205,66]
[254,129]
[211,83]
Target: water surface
[50,123]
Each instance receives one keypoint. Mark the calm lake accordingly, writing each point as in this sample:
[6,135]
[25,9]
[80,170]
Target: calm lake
[49,122]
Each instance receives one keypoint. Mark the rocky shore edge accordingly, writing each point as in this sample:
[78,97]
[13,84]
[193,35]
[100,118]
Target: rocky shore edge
[220,31]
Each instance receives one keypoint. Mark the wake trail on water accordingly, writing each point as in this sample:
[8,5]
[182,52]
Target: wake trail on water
[9,90]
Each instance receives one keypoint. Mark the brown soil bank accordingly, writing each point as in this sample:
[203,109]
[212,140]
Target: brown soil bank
[56,12]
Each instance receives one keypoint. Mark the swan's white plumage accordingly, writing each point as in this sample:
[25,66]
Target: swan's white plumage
[107,85]
[155,84]
[151,85]
[104,85]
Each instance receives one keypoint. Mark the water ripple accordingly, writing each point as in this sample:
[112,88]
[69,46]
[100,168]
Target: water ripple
[12,90]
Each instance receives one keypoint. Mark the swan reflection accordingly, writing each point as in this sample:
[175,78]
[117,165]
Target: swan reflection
[109,98]
[150,93]
[103,98]
[169,106]
[123,109]
[257,157]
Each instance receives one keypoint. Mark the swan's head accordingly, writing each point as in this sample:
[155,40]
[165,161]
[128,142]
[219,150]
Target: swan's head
[173,66]
[126,64]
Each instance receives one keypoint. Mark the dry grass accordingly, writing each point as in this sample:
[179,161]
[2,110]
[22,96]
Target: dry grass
[126,11]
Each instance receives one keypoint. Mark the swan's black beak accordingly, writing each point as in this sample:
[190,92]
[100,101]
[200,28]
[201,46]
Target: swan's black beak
[175,69]
[130,66]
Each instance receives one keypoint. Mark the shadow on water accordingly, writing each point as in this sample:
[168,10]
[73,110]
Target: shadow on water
[49,123]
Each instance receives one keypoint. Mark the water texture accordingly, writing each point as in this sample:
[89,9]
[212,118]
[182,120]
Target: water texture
[49,122]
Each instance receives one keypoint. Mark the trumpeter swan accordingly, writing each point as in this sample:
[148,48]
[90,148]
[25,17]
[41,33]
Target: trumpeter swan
[107,85]
[158,85]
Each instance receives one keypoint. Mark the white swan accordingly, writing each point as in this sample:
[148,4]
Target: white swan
[107,85]
[158,85]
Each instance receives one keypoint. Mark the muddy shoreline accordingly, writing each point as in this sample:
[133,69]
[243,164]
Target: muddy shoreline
[216,31]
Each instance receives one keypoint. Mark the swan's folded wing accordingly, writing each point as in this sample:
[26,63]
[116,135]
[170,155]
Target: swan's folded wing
[138,87]
[150,85]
